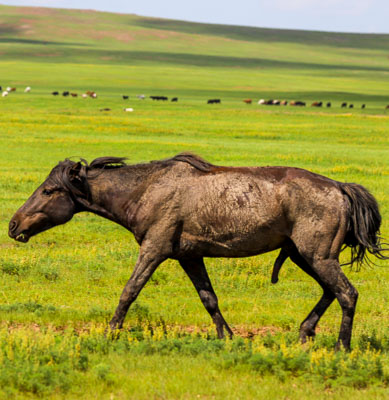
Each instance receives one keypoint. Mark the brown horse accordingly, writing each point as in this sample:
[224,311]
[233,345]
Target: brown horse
[186,209]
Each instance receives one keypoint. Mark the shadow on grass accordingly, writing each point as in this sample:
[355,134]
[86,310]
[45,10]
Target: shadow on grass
[104,56]
[39,42]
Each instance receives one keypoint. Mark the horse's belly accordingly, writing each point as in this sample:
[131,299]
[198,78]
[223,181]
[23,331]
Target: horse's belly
[235,242]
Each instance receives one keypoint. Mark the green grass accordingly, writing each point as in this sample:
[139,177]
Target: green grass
[59,290]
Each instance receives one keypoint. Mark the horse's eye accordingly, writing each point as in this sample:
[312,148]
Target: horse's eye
[47,192]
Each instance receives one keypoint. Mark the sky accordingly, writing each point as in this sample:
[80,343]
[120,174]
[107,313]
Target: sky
[364,16]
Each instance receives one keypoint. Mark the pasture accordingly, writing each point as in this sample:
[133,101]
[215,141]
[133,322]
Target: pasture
[59,291]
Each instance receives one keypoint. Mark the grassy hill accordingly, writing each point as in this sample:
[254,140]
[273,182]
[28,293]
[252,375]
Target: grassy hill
[204,59]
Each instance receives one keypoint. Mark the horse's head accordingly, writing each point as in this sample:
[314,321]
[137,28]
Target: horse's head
[53,202]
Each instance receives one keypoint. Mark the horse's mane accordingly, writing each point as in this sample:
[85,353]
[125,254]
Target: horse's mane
[194,160]
[73,174]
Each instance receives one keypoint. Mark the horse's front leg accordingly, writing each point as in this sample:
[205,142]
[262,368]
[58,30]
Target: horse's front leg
[147,263]
[195,269]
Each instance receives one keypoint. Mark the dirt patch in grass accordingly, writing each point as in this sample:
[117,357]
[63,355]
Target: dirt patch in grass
[240,330]
[250,332]
[44,12]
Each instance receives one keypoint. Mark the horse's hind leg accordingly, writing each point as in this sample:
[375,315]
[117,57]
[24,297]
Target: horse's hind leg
[278,264]
[287,248]
[336,281]
[308,326]
[195,269]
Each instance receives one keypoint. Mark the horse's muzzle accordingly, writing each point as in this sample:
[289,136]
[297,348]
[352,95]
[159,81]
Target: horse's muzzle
[14,233]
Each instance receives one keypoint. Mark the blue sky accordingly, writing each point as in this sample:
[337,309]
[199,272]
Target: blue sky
[328,15]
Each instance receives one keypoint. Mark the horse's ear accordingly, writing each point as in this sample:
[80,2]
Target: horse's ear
[74,173]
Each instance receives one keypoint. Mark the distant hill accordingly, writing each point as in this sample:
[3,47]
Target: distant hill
[42,45]
[63,35]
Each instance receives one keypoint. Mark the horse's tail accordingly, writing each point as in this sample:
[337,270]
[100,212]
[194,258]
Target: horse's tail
[363,224]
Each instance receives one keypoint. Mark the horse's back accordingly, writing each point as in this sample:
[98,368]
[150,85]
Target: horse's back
[246,211]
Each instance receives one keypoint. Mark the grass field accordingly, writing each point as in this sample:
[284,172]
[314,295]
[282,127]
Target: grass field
[59,290]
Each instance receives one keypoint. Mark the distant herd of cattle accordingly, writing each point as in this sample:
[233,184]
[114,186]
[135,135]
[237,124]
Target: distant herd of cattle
[270,102]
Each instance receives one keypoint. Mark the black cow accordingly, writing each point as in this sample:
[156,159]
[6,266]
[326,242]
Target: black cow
[125,97]
[55,93]
[328,104]
[214,101]
[163,98]
[65,94]
[344,105]
[175,99]
[298,103]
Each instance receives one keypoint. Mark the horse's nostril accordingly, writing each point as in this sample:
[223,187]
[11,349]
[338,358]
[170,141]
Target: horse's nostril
[12,226]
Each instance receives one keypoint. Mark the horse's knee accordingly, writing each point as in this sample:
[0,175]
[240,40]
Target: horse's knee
[348,299]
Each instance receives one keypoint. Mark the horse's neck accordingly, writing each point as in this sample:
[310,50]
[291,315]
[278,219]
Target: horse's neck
[111,190]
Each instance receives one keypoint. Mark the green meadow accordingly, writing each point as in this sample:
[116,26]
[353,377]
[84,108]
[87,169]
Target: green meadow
[60,289]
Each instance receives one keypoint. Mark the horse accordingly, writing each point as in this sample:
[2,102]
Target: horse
[185,208]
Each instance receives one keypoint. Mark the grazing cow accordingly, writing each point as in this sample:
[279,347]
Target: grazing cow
[141,96]
[317,104]
[276,102]
[328,105]
[4,94]
[387,107]
[214,101]
[91,94]
[163,98]
[105,109]
[363,106]
[55,93]
[297,103]
[175,99]
[74,94]
[284,102]
[351,106]
[27,89]
[8,89]
[129,109]
[344,105]
[247,101]
[125,97]
[84,95]
[1,88]
[65,94]
[261,101]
